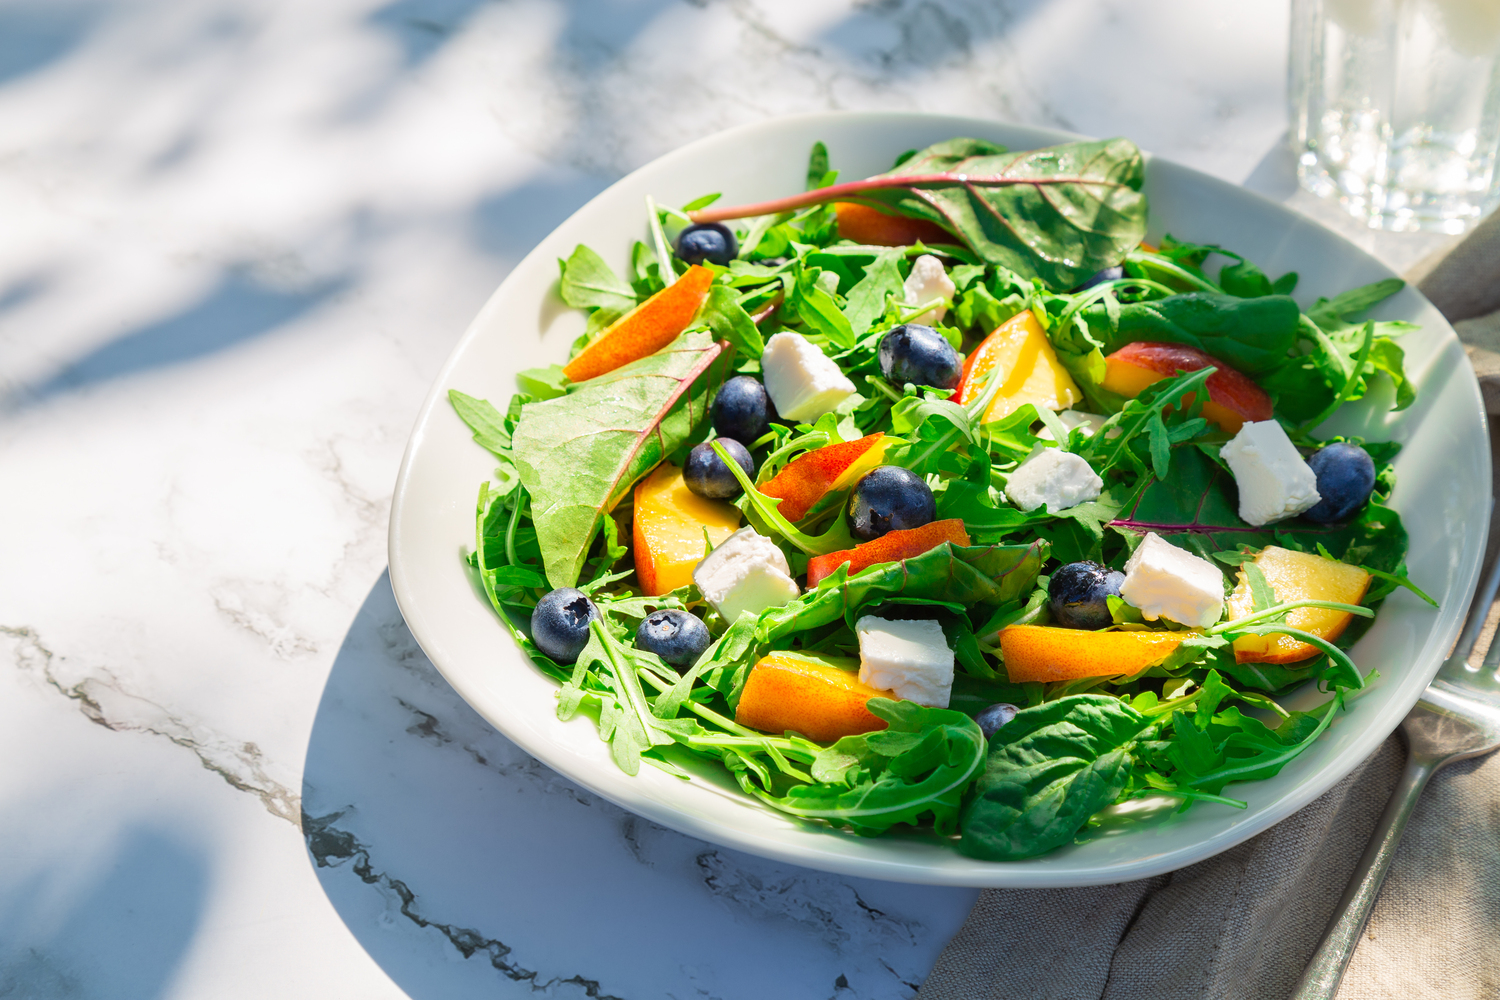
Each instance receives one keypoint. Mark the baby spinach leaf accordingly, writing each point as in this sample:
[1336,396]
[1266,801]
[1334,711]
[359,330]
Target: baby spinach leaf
[578,455]
[914,770]
[1049,769]
[1252,335]
[588,283]
[1196,506]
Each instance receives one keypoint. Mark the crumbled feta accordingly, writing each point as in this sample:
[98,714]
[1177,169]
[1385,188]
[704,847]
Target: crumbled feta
[928,282]
[1056,478]
[1275,483]
[910,658]
[1164,581]
[746,572]
[801,380]
[1090,422]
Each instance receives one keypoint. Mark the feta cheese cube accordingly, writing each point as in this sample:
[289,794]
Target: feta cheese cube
[1059,479]
[1275,483]
[747,572]
[1090,422]
[801,380]
[1164,581]
[928,282]
[910,658]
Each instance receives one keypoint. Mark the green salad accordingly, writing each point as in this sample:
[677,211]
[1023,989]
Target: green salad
[942,500]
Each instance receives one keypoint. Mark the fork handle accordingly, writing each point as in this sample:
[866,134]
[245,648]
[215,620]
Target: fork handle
[1326,968]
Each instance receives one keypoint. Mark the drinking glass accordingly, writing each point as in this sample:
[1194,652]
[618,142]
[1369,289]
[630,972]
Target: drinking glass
[1396,108]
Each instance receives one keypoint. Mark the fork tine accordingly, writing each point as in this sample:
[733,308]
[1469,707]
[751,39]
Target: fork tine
[1478,612]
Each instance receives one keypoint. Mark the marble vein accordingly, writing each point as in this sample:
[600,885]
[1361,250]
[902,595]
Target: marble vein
[332,847]
[104,701]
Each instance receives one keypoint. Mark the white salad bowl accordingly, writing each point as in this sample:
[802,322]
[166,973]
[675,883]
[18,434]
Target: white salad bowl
[1442,494]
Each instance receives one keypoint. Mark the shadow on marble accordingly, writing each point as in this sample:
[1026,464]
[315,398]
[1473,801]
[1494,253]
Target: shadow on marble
[466,868]
[35,34]
[236,310]
[422,27]
[1275,176]
[510,223]
[120,937]
[910,40]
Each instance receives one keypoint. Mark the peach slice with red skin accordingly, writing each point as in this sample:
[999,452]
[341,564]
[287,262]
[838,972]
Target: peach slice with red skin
[670,522]
[893,546]
[875,228]
[807,478]
[1298,576]
[1233,398]
[1049,653]
[810,695]
[646,329]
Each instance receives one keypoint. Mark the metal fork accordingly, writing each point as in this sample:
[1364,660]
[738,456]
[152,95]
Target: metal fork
[1457,717]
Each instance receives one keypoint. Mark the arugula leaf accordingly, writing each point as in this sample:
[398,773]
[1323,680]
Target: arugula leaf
[579,454]
[867,298]
[724,315]
[950,574]
[817,166]
[589,283]
[1059,214]
[816,309]
[1331,314]
[544,383]
[914,770]
[627,721]
[1262,752]
[1049,769]
[485,421]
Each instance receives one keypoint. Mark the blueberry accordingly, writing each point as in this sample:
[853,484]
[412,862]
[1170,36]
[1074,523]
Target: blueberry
[676,636]
[708,476]
[710,241]
[1077,592]
[742,409]
[1108,274]
[560,623]
[1346,478]
[919,355]
[994,717]
[889,498]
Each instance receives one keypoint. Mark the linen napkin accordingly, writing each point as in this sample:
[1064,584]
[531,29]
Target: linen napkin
[1243,924]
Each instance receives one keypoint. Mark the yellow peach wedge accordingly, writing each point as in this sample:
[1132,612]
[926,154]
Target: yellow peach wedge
[1298,576]
[670,522]
[820,697]
[1048,653]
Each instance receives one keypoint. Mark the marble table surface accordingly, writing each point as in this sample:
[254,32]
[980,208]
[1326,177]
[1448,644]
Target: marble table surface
[237,239]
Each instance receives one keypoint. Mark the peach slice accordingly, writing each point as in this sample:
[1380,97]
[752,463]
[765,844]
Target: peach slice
[1298,576]
[875,228]
[890,547]
[646,329]
[1232,397]
[808,477]
[1048,653]
[670,520]
[1027,367]
[820,697]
